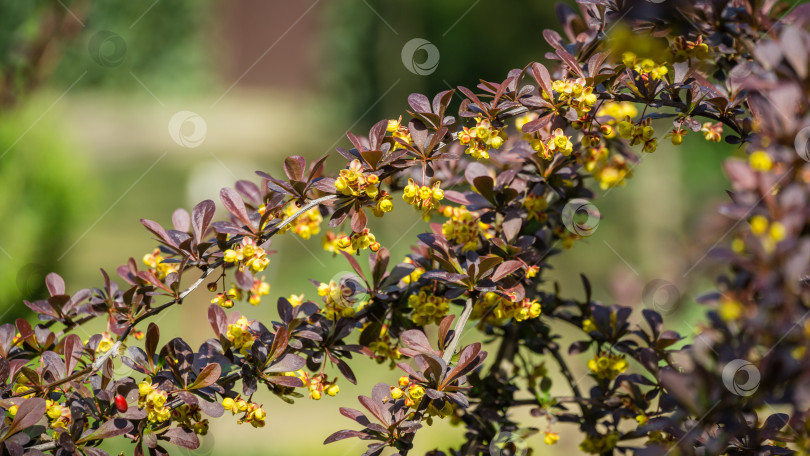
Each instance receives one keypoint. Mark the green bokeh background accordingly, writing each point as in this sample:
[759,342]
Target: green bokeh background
[88,153]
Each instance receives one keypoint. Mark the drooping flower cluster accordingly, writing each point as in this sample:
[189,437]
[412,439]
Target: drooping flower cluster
[575,94]
[341,299]
[647,67]
[319,384]
[769,233]
[58,414]
[617,111]
[480,138]
[641,133]
[358,241]
[427,307]
[330,243]
[399,132]
[247,254]
[155,262]
[606,365]
[240,335]
[253,413]
[558,143]
[384,347]
[683,49]
[226,300]
[536,206]
[352,181]
[423,197]
[306,225]
[415,274]
[153,401]
[464,227]
[495,309]
[189,417]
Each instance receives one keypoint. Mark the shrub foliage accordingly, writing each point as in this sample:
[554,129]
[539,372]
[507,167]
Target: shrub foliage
[503,183]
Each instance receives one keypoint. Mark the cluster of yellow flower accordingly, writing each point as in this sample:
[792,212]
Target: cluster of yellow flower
[58,414]
[341,300]
[240,336]
[253,413]
[253,256]
[306,225]
[618,110]
[464,227]
[769,233]
[536,206]
[495,309]
[480,138]
[354,182]
[330,243]
[189,417]
[712,132]
[296,300]
[358,241]
[427,307]
[399,131]
[105,344]
[156,265]
[606,365]
[384,348]
[413,276]
[448,409]
[550,438]
[641,133]
[558,143]
[423,197]
[575,94]
[412,393]
[613,171]
[683,49]
[760,161]
[598,444]
[319,384]
[648,68]
[260,288]
[730,308]
[566,237]
[385,203]
[153,400]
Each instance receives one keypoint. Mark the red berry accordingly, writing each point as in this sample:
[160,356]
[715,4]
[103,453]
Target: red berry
[121,403]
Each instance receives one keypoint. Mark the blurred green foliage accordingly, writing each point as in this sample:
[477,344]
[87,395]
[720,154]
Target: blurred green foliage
[167,46]
[109,43]
[476,40]
[45,188]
